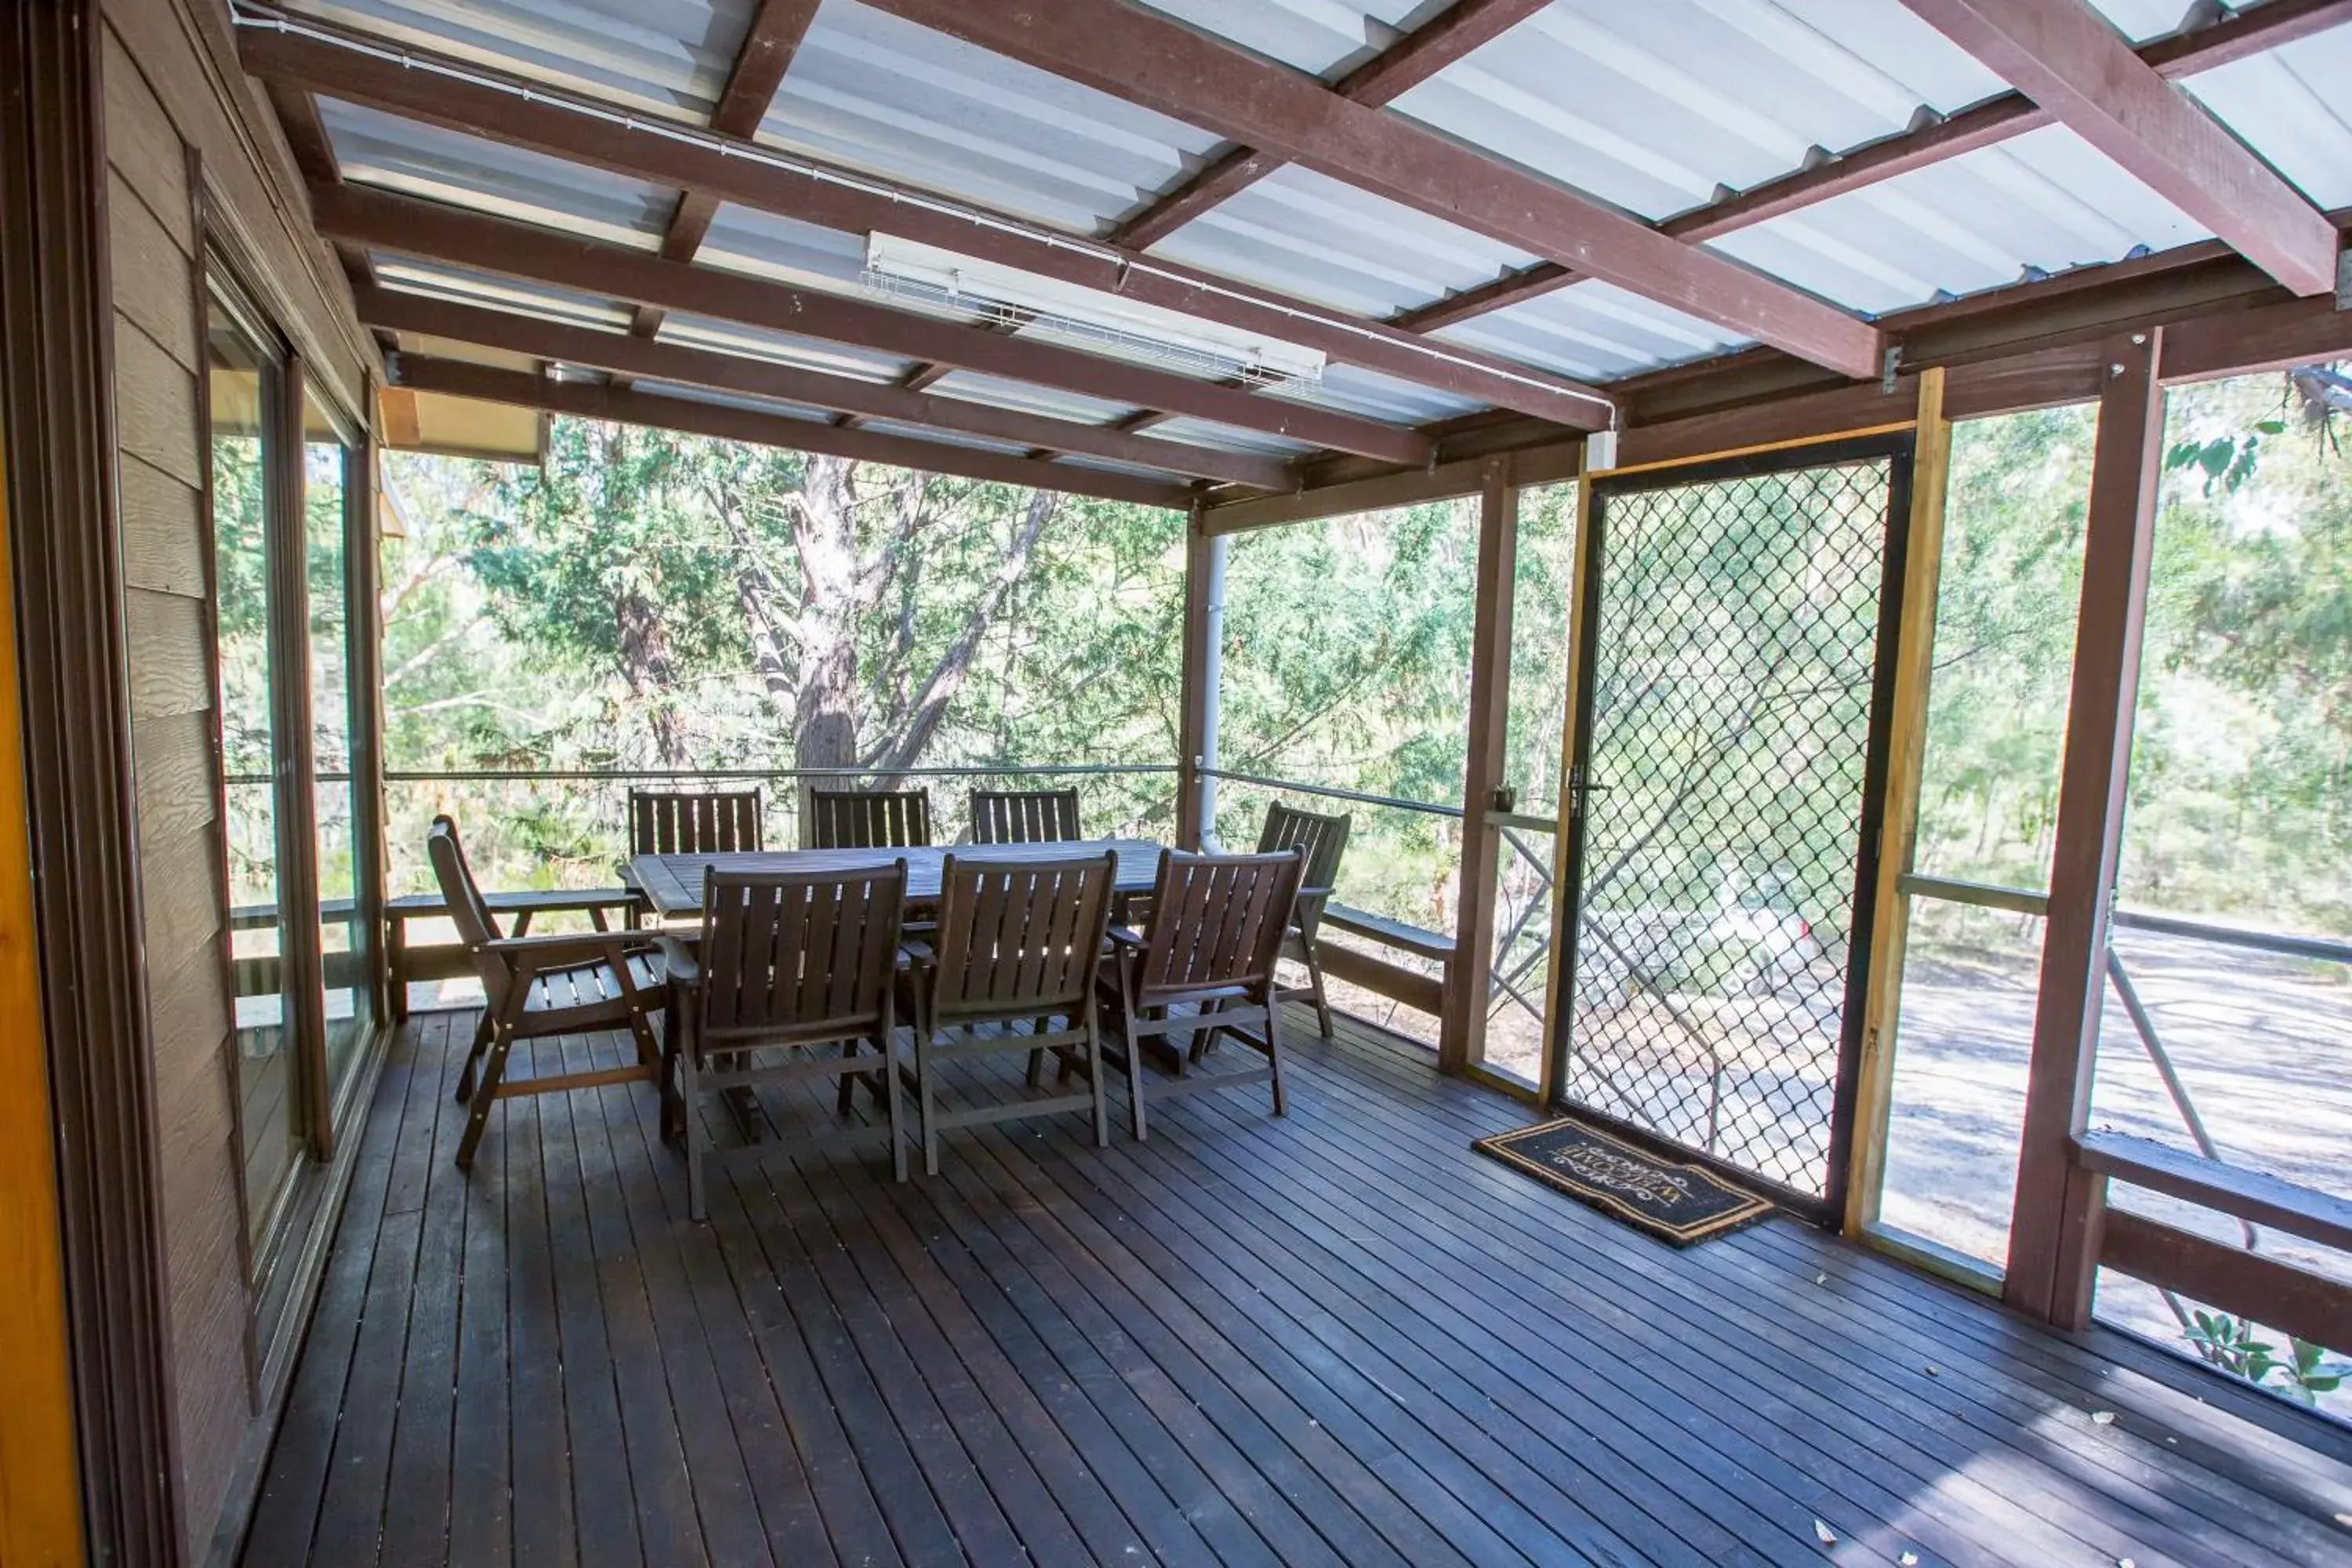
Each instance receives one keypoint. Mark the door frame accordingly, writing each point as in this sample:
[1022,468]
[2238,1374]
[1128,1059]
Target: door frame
[1898,447]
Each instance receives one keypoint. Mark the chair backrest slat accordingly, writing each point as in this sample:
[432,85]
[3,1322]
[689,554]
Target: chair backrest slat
[812,952]
[716,822]
[468,910]
[1024,816]
[867,819]
[1016,934]
[1217,921]
[1320,839]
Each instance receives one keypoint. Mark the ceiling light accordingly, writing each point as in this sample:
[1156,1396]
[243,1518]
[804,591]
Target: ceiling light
[1038,306]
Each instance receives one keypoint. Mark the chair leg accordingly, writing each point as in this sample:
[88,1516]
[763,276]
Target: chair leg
[1095,1077]
[926,1105]
[673,1119]
[848,1080]
[698,1202]
[1274,1052]
[896,1097]
[641,1029]
[474,1058]
[485,1095]
[1134,1081]
[1315,981]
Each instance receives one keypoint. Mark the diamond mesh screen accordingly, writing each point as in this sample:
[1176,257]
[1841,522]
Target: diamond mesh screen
[1735,656]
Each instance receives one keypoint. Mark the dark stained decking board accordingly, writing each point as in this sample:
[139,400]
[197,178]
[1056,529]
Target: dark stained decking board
[1340,1337]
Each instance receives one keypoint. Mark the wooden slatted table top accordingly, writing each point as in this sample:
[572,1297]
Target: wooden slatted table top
[673,883]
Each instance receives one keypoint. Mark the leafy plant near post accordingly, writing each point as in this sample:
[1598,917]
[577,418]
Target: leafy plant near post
[2306,1372]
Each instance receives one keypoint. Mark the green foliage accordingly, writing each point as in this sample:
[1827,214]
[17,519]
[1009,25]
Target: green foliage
[2231,1344]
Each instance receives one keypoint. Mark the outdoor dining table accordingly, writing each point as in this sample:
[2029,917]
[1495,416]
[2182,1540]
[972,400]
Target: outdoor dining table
[672,887]
[672,884]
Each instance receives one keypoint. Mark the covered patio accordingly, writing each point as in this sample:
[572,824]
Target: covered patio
[1337,1337]
[1644,342]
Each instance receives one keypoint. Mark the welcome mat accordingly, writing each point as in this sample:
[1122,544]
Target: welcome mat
[1675,1203]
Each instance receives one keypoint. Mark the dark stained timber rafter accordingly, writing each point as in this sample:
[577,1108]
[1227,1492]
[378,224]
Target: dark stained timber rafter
[1455,32]
[2070,59]
[623,355]
[766,53]
[1120,49]
[465,96]
[459,379]
[408,226]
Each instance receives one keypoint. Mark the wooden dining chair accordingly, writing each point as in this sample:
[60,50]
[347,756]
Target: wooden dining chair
[715,821]
[789,962]
[1216,928]
[1321,839]
[538,986]
[1017,943]
[1024,816]
[866,819]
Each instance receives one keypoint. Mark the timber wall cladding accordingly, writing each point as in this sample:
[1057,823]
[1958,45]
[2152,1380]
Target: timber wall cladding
[158,368]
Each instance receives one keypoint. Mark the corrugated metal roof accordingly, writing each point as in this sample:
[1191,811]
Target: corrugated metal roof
[1655,107]
[1224,437]
[1321,37]
[732,400]
[466,286]
[2045,202]
[405,155]
[1593,330]
[2294,106]
[782,348]
[1052,402]
[887,95]
[1309,235]
[671,57]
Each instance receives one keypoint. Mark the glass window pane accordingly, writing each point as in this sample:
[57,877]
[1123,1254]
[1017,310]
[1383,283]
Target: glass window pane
[343,935]
[2005,609]
[244,389]
[2237,825]
[1963,1038]
[2011,579]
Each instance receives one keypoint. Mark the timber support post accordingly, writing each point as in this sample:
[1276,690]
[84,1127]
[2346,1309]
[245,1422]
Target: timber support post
[1914,651]
[2054,1234]
[1462,1031]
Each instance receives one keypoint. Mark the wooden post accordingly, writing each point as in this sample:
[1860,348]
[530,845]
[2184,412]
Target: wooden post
[1551,1077]
[2053,1236]
[1192,728]
[1462,1028]
[1907,745]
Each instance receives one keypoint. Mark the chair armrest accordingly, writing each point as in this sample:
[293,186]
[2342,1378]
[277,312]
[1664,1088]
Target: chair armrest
[916,955]
[680,961]
[564,949]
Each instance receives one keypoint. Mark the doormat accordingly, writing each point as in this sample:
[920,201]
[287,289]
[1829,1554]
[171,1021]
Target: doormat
[1679,1203]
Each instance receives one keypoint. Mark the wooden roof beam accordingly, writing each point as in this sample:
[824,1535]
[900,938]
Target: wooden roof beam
[408,226]
[1388,76]
[590,401]
[1987,124]
[1119,48]
[2070,59]
[465,97]
[625,354]
[760,61]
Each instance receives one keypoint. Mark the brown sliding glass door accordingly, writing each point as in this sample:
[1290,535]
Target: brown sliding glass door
[344,838]
[299,836]
[246,393]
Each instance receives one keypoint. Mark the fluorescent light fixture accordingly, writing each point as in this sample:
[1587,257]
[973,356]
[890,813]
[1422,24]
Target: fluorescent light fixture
[1047,307]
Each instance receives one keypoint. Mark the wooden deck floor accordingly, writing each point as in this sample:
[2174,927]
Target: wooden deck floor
[1337,1338]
